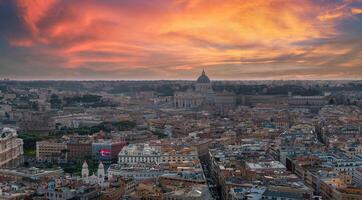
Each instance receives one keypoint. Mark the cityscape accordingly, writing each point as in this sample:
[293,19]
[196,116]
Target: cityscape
[181,100]
[199,139]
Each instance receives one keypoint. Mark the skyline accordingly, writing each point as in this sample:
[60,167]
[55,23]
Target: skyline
[175,40]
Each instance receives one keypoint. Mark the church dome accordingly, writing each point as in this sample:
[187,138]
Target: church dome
[203,78]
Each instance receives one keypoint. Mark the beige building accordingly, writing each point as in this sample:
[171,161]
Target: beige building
[51,151]
[11,148]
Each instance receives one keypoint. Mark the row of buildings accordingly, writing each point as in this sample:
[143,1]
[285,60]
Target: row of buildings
[79,147]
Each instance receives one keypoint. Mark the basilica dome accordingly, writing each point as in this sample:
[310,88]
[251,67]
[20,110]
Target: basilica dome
[203,78]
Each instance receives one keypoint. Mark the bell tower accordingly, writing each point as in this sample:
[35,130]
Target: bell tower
[100,172]
[85,170]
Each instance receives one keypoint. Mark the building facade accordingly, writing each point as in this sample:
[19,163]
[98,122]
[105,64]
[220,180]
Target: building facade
[11,148]
[51,151]
[107,150]
[192,99]
[133,154]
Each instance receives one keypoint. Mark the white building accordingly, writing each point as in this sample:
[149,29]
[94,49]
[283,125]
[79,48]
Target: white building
[140,153]
[142,161]
[265,166]
[98,179]
[144,153]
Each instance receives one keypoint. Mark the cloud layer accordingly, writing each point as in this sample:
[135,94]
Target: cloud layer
[164,39]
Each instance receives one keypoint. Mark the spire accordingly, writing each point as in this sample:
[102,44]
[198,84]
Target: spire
[203,71]
[100,166]
[85,164]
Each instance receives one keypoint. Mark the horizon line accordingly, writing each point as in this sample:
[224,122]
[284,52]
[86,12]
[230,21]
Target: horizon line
[214,80]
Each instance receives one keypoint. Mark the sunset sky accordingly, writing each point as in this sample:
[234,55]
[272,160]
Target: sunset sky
[176,39]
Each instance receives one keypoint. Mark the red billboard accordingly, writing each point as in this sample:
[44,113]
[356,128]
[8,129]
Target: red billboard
[105,153]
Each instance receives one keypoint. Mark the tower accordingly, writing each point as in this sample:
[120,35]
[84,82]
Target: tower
[85,170]
[100,172]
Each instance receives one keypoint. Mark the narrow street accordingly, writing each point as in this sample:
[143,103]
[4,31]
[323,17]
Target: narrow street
[210,182]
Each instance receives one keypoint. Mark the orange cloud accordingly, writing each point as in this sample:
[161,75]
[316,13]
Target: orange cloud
[330,16]
[356,11]
[183,67]
[180,34]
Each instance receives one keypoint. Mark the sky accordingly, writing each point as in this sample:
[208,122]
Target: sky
[176,39]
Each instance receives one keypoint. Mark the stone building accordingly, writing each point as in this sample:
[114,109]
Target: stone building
[11,148]
[192,99]
[142,153]
[51,151]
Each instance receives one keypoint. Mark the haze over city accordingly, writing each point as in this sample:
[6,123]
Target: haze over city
[176,39]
